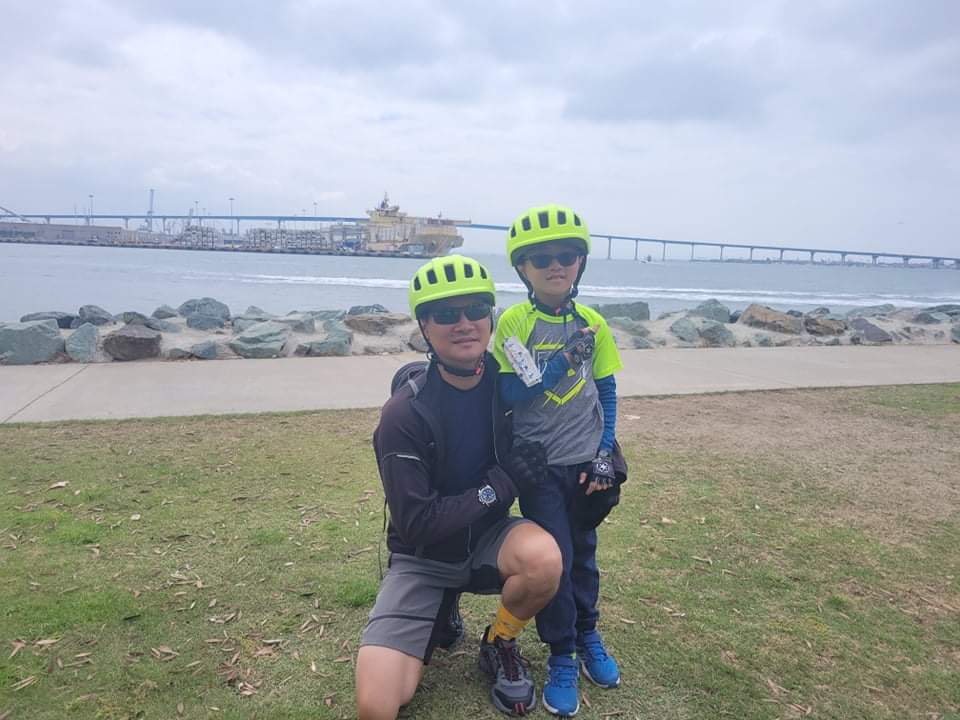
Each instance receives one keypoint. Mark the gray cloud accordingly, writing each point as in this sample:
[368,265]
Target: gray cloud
[741,120]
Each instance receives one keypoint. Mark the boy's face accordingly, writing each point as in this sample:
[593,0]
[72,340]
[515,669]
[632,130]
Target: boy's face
[552,268]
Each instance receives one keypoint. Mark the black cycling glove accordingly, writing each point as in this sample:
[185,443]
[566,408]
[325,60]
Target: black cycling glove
[526,464]
[580,347]
[601,470]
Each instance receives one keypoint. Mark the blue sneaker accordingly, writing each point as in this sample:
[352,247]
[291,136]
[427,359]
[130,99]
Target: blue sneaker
[597,664]
[561,696]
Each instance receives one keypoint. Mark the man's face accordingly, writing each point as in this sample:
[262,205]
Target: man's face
[462,343]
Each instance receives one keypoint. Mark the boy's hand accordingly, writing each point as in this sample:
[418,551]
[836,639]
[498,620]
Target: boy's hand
[600,473]
[579,347]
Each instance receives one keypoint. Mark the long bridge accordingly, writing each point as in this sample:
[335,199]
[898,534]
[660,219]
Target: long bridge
[234,222]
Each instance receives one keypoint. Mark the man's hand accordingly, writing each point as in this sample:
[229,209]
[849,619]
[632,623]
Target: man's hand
[599,473]
[580,346]
[527,465]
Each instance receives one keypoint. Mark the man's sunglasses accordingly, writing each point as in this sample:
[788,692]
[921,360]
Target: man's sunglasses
[452,315]
[541,261]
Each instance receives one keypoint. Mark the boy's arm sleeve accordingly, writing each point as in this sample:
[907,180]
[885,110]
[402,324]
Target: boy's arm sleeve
[607,390]
[513,390]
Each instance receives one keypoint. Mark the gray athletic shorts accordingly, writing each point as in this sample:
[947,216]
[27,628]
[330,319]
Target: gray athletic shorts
[416,594]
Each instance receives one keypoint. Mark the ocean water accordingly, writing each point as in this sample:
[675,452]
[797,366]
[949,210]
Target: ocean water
[43,277]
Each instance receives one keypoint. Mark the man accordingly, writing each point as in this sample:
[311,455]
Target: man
[449,480]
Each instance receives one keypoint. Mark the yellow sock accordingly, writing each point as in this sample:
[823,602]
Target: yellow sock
[507,625]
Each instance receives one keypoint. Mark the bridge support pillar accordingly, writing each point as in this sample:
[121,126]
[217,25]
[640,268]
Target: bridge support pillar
[663,257]
[609,246]
[751,254]
[126,223]
[843,258]
[811,256]
[692,248]
[906,260]
[721,253]
[875,258]
[636,250]
[48,220]
[781,256]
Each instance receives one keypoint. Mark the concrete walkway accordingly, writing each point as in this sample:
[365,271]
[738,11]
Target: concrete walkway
[147,389]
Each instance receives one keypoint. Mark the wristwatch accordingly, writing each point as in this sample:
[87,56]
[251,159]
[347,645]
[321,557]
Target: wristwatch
[487,496]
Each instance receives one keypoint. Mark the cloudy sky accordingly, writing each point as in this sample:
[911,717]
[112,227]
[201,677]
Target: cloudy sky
[821,122]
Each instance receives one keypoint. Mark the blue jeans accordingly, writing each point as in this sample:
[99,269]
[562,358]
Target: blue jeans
[574,607]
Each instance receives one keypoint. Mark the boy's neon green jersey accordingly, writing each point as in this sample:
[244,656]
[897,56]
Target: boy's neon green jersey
[568,418]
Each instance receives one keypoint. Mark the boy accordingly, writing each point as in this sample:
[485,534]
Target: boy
[572,412]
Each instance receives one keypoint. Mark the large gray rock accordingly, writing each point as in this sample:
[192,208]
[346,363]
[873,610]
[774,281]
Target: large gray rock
[417,341]
[93,314]
[131,317]
[931,318]
[865,332]
[375,324]
[31,342]
[735,315]
[713,310]
[760,316]
[162,325]
[254,311]
[367,309]
[63,319]
[263,340]
[872,310]
[955,333]
[823,325]
[164,312]
[634,327]
[762,340]
[206,350]
[81,346]
[326,314]
[203,321]
[717,334]
[950,309]
[820,311]
[204,306]
[298,322]
[132,342]
[638,310]
[685,330]
[642,343]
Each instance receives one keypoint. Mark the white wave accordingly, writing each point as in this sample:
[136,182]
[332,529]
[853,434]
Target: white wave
[625,292]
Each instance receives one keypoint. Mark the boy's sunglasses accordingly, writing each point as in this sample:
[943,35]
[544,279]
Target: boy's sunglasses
[451,315]
[541,261]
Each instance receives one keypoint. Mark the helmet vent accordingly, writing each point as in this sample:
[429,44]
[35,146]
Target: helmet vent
[576,220]
[544,218]
[527,225]
[513,231]
[483,272]
[431,276]
[468,270]
[561,217]
[451,272]
[417,284]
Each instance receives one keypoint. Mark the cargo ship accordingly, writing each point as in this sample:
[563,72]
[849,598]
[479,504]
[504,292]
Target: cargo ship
[387,232]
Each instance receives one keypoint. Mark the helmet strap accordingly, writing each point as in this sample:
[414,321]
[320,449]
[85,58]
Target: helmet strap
[458,372]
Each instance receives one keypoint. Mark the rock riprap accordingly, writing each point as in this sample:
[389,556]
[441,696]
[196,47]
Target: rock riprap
[132,342]
[26,343]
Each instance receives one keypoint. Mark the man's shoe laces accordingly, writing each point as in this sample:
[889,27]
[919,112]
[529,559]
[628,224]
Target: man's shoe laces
[511,661]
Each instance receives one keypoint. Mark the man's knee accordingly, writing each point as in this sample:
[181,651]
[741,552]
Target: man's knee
[539,559]
[386,680]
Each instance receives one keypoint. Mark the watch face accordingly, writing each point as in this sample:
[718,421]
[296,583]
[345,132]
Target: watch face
[487,495]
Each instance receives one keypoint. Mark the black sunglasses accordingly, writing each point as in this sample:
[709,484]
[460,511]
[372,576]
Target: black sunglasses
[541,261]
[451,315]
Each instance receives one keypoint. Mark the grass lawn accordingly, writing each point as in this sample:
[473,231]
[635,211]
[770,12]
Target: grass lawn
[777,555]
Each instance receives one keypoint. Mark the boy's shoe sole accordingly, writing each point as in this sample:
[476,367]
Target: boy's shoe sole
[586,672]
[554,711]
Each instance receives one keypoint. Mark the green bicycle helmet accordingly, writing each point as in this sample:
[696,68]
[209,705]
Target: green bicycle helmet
[542,224]
[449,276]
